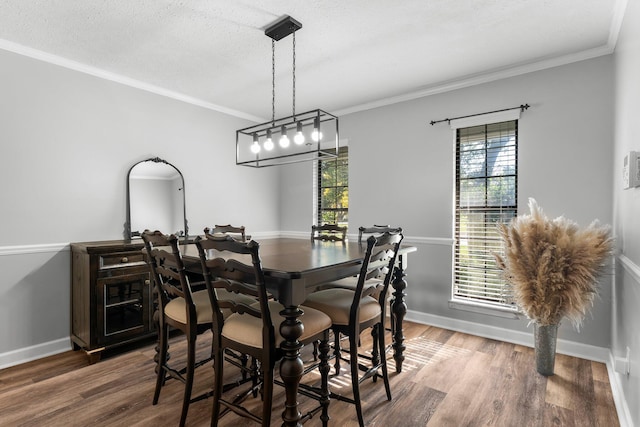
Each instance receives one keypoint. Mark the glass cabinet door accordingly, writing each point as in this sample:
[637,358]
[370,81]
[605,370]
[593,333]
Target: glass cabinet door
[124,308]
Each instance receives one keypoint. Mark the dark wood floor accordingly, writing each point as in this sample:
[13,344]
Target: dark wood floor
[448,379]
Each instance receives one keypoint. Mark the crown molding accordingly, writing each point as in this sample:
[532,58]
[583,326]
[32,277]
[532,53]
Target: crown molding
[619,9]
[482,78]
[117,78]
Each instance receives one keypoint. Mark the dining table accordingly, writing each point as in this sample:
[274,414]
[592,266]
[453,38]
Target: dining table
[295,267]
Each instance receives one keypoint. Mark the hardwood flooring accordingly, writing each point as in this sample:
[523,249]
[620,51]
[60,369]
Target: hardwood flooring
[448,379]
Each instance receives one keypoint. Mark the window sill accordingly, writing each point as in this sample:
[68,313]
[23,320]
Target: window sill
[488,309]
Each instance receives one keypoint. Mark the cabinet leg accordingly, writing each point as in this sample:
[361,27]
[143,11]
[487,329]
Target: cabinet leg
[94,355]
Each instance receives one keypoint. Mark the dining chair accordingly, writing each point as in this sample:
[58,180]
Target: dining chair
[329,232]
[179,308]
[237,233]
[253,329]
[352,282]
[352,311]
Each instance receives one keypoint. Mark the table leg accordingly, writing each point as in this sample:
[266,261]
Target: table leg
[291,365]
[398,311]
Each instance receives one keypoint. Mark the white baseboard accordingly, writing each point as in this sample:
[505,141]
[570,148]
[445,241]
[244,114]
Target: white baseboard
[624,414]
[27,354]
[570,348]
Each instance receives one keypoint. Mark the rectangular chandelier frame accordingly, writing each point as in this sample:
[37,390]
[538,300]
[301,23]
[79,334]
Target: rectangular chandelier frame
[309,124]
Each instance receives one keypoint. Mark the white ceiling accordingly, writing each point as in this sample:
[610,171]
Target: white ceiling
[350,54]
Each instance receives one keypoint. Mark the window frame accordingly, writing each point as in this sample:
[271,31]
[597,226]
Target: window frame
[343,156]
[466,302]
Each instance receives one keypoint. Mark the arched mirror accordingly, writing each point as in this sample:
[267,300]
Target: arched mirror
[155,199]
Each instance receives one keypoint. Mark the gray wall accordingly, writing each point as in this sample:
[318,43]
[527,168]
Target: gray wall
[626,207]
[401,172]
[67,140]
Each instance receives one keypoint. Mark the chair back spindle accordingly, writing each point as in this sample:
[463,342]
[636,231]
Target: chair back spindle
[329,232]
[237,233]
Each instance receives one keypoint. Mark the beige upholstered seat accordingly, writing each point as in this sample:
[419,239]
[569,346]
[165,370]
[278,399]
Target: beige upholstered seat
[353,311]
[253,329]
[247,330]
[176,309]
[336,303]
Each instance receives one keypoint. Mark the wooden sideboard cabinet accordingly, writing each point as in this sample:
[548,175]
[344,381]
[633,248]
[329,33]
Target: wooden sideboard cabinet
[111,295]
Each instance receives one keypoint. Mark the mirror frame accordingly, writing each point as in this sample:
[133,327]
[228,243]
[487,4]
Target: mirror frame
[128,235]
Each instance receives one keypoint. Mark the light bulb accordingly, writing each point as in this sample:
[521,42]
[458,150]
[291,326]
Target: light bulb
[299,136]
[255,147]
[268,144]
[284,139]
[316,135]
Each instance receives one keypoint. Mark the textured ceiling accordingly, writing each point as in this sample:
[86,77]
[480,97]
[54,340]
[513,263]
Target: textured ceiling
[350,55]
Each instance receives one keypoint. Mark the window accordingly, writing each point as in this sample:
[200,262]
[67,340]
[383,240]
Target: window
[486,194]
[333,189]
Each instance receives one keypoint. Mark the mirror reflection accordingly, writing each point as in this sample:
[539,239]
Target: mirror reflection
[155,199]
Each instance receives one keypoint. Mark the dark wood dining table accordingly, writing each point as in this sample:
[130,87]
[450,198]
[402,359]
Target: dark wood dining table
[296,267]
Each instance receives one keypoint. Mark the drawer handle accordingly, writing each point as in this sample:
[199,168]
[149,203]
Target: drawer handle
[147,282]
[124,259]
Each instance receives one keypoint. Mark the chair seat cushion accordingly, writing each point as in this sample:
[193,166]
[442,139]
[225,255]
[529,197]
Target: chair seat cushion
[336,303]
[176,309]
[247,330]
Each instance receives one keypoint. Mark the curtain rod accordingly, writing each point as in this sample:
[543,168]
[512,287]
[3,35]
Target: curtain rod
[521,107]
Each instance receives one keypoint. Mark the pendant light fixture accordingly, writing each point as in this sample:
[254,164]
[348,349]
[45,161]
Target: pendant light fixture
[314,133]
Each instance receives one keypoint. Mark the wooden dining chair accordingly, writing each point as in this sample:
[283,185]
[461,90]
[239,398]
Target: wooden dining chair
[253,329]
[237,233]
[352,282]
[179,308]
[353,311]
[329,232]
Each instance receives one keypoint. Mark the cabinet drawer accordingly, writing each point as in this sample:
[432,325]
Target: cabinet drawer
[121,259]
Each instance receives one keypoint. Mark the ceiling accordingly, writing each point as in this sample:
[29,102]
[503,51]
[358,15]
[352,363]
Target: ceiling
[350,55]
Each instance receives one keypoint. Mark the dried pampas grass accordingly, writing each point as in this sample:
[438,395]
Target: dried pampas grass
[553,265]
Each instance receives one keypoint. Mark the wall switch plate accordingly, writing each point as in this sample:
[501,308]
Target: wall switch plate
[631,170]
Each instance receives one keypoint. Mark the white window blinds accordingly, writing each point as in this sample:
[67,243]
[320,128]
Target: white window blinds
[486,194]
